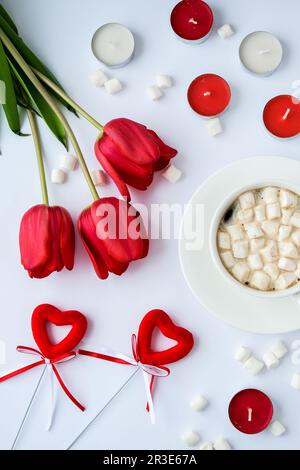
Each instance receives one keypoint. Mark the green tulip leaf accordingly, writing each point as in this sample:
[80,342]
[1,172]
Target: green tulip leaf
[8,19]
[10,106]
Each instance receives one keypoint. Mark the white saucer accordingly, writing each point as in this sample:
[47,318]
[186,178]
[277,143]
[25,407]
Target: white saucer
[239,309]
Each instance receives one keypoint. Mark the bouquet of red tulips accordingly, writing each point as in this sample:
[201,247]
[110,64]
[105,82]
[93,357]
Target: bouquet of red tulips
[111,229]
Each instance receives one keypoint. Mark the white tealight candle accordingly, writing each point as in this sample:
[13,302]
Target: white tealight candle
[113,44]
[261,52]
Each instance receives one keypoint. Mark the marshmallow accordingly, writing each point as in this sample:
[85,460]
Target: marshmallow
[58,176]
[255,262]
[245,215]
[295,382]
[172,173]
[273,211]
[253,365]
[222,444]
[98,78]
[241,271]
[206,446]
[247,200]
[295,219]
[286,215]
[236,232]
[270,252]
[270,360]
[224,241]
[99,177]
[225,31]
[68,162]
[270,195]
[198,403]
[277,429]
[260,280]
[287,198]
[113,86]
[240,249]
[214,127]
[253,230]
[285,280]
[296,237]
[256,244]
[164,81]
[287,264]
[284,232]
[270,227]
[154,92]
[279,349]
[228,259]
[190,438]
[272,270]
[260,212]
[242,354]
[288,249]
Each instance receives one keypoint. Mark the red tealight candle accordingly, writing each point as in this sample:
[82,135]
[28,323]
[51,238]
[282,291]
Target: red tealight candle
[209,95]
[192,20]
[250,411]
[282,116]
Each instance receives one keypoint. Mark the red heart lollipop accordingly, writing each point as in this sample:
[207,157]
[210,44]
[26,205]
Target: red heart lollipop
[159,318]
[48,313]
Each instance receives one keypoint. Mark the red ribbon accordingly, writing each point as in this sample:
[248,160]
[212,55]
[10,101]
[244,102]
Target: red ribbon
[63,358]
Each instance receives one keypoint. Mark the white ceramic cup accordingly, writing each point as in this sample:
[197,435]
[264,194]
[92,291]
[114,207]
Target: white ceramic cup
[220,211]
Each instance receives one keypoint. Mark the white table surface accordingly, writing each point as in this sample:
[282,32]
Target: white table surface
[60,32]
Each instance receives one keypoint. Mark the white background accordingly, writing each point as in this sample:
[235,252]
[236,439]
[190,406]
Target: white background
[60,32]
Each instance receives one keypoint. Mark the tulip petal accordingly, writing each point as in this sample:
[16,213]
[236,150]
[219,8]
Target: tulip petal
[113,174]
[166,152]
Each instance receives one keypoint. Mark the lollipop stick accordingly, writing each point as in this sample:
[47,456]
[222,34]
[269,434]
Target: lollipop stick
[28,409]
[102,409]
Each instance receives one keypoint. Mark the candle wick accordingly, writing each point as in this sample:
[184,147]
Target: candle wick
[207,93]
[192,20]
[264,51]
[286,114]
[249,414]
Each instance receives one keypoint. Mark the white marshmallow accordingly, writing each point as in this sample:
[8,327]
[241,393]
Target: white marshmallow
[253,230]
[68,162]
[214,127]
[295,382]
[286,215]
[98,78]
[288,249]
[198,403]
[287,198]
[224,241]
[206,446]
[113,86]
[190,438]
[235,231]
[273,210]
[240,249]
[172,173]
[58,176]
[276,428]
[225,31]
[270,360]
[247,200]
[285,280]
[99,177]
[255,262]
[296,237]
[270,252]
[253,365]
[295,219]
[279,349]
[260,212]
[260,280]
[228,259]
[222,444]
[241,271]
[287,264]
[245,215]
[154,92]
[242,354]
[164,81]
[256,244]
[270,227]
[272,270]
[270,194]
[284,232]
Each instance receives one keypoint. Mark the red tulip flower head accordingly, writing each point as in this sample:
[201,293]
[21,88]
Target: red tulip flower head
[113,234]
[47,240]
[130,153]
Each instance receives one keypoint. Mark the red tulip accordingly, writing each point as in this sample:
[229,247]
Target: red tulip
[113,234]
[47,240]
[130,153]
